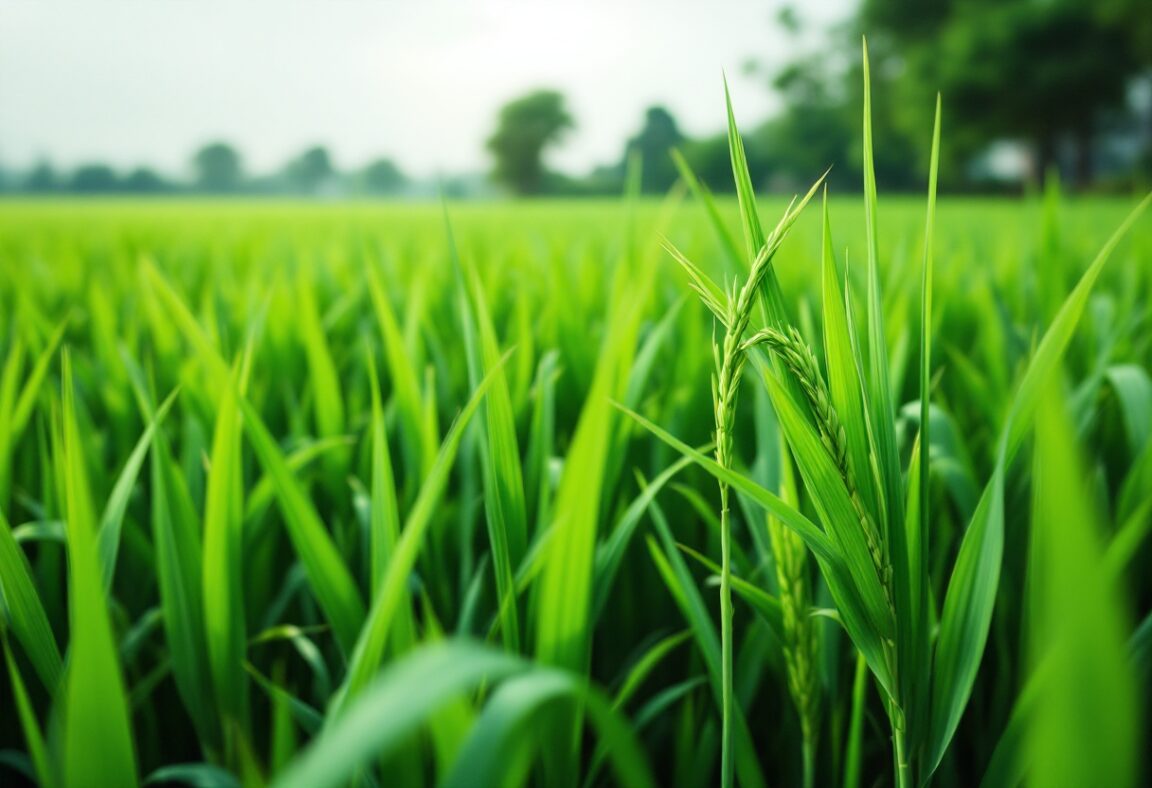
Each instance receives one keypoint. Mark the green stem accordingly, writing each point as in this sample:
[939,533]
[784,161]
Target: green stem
[728,382]
[725,640]
[899,746]
[809,760]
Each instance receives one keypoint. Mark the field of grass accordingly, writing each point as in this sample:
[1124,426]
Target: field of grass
[343,494]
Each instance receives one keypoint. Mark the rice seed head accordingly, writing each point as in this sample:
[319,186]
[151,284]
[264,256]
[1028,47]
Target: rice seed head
[799,359]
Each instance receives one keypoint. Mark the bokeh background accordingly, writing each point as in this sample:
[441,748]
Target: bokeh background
[362,99]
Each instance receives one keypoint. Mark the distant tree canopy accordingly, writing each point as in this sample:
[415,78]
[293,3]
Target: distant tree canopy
[525,128]
[309,171]
[94,178]
[41,179]
[1049,73]
[144,180]
[382,176]
[1037,71]
[654,144]
[1053,74]
[217,168]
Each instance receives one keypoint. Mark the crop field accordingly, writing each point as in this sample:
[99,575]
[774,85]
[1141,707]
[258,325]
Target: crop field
[623,492]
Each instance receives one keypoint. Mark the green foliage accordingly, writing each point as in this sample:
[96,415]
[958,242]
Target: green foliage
[218,168]
[653,144]
[1061,86]
[527,126]
[325,495]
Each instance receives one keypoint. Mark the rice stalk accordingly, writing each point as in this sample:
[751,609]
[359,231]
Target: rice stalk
[801,637]
[798,357]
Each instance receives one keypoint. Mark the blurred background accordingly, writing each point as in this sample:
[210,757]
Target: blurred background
[357,99]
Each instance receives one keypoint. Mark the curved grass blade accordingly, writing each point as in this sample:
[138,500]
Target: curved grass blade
[1086,726]
[222,568]
[108,538]
[373,637]
[33,737]
[98,743]
[766,605]
[504,501]
[24,611]
[971,593]
[394,706]
[498,737]
[328,575]
[681,585]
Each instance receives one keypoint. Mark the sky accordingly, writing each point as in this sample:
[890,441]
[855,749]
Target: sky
[133,82]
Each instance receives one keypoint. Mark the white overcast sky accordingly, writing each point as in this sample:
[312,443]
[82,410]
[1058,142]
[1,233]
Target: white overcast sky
[146,81]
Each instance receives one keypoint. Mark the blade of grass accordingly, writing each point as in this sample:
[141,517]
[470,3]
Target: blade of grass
[500,732]
[223,568]
[328,575]
[971,593]
[389,710]
[1086,728]
[24,611]
[372,638]
[33,737]
[111,522]
[97,726]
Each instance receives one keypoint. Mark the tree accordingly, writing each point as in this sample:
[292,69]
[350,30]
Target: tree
[94,179]
[1042,72]
[382,177]
[143,180]
[218,168]
[526,127]
[310,171]
[42,179]
[819,124]
[654,144]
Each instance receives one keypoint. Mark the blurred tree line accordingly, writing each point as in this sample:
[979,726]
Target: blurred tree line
[1028,85]
[1052,81]
[217,168]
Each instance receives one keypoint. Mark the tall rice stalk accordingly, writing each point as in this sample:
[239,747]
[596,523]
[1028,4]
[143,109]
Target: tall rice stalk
[734,310]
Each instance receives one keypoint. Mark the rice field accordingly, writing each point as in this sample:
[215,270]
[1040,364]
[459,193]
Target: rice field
[683,492]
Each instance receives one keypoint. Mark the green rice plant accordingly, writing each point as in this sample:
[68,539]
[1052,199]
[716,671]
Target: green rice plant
[1086,720]
[734,310]
[98,743]
[329,494]
[873,548]
[799,629]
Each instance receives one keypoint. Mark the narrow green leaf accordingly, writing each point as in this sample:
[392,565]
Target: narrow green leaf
[965,618]
[971,593]
[701,193]
[745,195]
[24,611]
[757,598]
[328,575]
[98,747]
[223,569]
[402,698]
[372,638]
[504,502]
[1051,348]
[500,732]
[680,583]
[882,414]
[112,520]
[420,446]
[33,737]
[1086,727]
[384,529]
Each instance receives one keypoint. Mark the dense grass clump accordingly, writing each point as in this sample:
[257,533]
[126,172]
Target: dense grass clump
[324,495]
